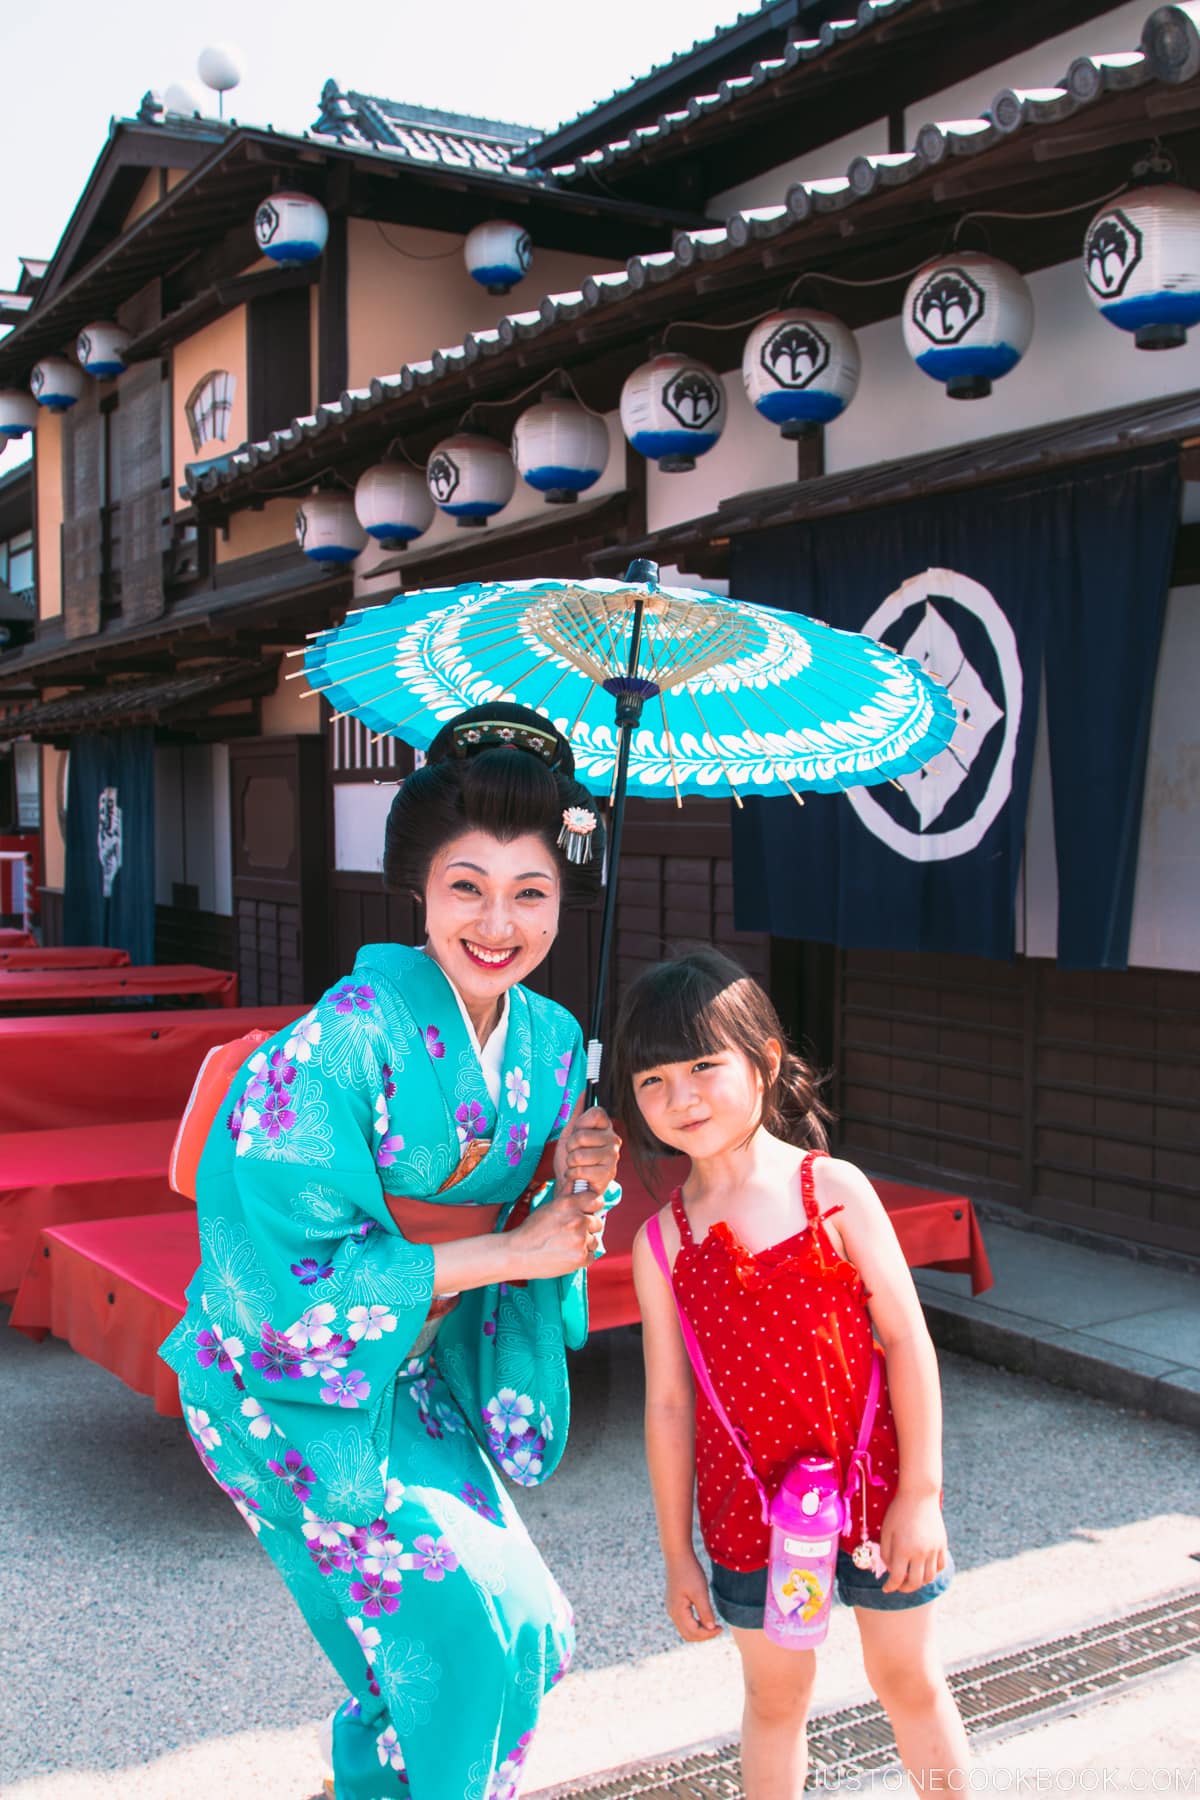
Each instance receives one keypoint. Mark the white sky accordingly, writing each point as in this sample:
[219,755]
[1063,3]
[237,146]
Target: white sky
[69,68]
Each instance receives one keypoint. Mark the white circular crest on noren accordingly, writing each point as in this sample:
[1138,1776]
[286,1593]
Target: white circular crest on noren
[973,597]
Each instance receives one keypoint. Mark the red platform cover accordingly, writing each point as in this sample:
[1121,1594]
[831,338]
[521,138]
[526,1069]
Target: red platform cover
[113,1289]
[74,1069]
[86,1173]
[35,987]
[64,956]
[12,938]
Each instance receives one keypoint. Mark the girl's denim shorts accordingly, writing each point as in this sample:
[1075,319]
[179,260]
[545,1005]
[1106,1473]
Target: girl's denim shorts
[740,1599]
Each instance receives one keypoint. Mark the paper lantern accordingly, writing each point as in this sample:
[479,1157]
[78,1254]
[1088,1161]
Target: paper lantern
[560,448]
[18,414]
[672,411]
[967,321]
[471,477]
[393,504]
[101,348]
[327,529]
[56,383]
[498,254]
[291,228]
[800,370]
[1141,262]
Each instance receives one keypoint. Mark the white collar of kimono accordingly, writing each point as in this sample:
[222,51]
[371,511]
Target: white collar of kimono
[491,1054]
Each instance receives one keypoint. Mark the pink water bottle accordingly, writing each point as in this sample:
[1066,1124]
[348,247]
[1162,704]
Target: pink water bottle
[808,1516]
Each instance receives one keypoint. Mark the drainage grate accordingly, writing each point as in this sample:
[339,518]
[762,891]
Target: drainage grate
[1020,1689]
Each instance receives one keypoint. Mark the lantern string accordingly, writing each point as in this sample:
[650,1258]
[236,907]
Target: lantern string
[418,255]
[397,444]
[1056,212]
[542,380]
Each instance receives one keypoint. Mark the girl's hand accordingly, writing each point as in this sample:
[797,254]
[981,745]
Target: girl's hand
[912,1542]
[558,1237]
[587,1151]
[689,1606]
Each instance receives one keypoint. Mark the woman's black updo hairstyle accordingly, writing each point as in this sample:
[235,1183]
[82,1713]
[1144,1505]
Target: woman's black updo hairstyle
[497,768]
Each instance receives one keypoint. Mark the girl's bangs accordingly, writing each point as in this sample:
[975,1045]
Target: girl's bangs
[677,1022]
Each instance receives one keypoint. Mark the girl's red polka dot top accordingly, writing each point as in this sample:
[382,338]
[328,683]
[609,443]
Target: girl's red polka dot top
[788,1342]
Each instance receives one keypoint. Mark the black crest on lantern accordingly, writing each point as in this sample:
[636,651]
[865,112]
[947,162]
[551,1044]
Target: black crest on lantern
[84,345]
[301,525]
[443,476]
[37,380]
[525,250]
[947,305]
[266,222]
[1111,252]
[692,398]
[795,354]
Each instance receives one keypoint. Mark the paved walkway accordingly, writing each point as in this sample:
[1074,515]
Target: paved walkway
[1093,1320]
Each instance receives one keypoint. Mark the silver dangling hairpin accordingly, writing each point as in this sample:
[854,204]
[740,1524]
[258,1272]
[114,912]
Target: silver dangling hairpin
[576,834]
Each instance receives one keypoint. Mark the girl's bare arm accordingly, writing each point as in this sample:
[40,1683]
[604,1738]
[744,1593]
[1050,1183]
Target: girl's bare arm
[671,1445]
[918,1540]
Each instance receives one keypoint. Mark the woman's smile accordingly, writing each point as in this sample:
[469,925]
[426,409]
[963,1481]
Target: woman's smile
[487,957]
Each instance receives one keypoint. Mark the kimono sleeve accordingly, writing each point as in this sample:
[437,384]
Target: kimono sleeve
[503,1349]
[333,1295]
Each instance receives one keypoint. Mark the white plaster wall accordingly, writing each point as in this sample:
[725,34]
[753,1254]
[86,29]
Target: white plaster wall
[1165,931]
[769,188]
[1166,906]
[360,811]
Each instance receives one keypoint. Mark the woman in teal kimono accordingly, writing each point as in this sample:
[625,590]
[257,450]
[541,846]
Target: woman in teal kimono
[354,1379]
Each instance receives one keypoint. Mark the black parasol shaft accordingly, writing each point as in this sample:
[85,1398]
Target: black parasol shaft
[630,697]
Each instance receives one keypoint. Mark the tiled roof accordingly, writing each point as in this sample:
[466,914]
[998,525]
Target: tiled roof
[426,136]
[762,74]
[1163,57]
[771,18]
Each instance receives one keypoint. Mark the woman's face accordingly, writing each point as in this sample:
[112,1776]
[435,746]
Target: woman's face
[491,912]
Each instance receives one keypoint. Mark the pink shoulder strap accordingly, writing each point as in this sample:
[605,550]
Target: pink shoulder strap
[699,1368]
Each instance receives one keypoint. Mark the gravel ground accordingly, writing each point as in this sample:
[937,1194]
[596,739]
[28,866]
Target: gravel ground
[148,1649]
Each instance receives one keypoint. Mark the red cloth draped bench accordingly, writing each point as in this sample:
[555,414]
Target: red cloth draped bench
[73,1069]
[39,987]
[63,956]
[114,1288]
[13,938]
[83,1173]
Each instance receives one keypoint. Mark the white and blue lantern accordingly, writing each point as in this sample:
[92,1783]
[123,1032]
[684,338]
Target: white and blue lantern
[101,348]
[498,254]
[560,448]
[800,370]
[291,228]
[393,504]
[673,410]
[1141,262]
[967,321]
[56,383]
[18,414]
[471,477]
[327,529]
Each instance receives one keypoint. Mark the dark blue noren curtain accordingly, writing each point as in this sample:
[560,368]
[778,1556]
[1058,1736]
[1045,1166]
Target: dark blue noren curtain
[1068,572]
[110,815]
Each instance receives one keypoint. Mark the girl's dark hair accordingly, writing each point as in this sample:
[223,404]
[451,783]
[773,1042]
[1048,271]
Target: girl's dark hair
[694,1005]
[484,782]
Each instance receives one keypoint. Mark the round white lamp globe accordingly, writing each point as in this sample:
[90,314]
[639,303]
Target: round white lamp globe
[220,66]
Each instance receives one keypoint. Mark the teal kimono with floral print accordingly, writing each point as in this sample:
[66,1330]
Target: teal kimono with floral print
[359,1438]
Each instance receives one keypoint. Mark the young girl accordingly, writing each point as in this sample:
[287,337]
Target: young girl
[788,1270]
